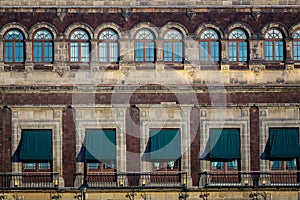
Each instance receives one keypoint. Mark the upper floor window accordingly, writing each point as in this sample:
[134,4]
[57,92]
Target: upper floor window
[274,45]
[173,46]
[42,46]
[209,46]
[144,46]
[79,46]
[108,46]
[14,46]
[237,46]
[296,45]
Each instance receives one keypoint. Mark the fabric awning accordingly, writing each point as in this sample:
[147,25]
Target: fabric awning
[224,144]
[36,145]
[284,143]
[100,145]
[165,144]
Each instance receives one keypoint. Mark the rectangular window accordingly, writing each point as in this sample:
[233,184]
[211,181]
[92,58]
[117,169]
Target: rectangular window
[178,50]
[113,55]
[9,52]
[149,51]
[204,51]
[19,52]
[214,51]
[85,54]
[168,51]
[38,52]
[296,51]
[268,51]
[243,51]
[139,56]
[48,52]
[103,52]
[74,52]
[232,51]
[225,165]
[279,50]
[284,165]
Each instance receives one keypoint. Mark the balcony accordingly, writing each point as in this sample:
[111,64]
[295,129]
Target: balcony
[133,180]
[29,180]
[249,179]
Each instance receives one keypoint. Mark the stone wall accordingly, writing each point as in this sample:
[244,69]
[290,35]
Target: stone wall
[146,3]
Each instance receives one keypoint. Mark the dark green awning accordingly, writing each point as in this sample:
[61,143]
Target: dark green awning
[224,144]
[165,144]
[100,145]
[36,145]
[284,143]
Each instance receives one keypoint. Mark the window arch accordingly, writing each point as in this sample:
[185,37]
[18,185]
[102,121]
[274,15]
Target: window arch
[14,48]
[274,45]
[296,45]
[209,45]
[42,46]
[173,46]
[108,46]
[79,46]
[144,46]
[238,46]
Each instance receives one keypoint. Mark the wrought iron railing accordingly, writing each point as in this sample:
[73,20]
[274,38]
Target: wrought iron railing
[29,180]
[133,180]
[249,179]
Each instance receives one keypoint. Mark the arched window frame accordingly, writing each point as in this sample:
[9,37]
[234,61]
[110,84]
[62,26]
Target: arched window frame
[209,45]
[42,46]
[296,45]
[108,46]
[274,45]
[173,46]
[144,46]
[238,46]
[79,46]
[14,46]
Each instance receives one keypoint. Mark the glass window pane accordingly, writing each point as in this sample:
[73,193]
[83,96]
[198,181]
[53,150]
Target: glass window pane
[38,50]
[279,50]
[85,52]
[291,164]
[139,51]
[276,165]
[232,51]
[178,51]
[93,165]
[243,51]
[268,51]
[9,52]
[149,51]
[296,50]
[103,48]
[44,166]
[74,51]
[218,165]
[232,165]
[30,166]
[204,51]
[168,51]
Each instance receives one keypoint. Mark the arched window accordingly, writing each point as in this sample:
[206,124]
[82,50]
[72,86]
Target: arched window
[108,46]
[79,46]
[173,46]
[209,46]
[237,46]
[42,46]
[144,46]
[274,49]
[296,45]
[14,46]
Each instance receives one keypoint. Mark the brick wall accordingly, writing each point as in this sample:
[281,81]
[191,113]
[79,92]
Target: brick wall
[5,140]
[68,146]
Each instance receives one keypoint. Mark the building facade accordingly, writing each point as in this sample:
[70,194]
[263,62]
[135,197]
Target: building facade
[149,100]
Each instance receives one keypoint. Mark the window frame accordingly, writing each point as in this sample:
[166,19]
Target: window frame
[225,167]
[43,47]
[272,44]
[209,41]
[284,165]
[173,43]
[108,43]
[296,40]
[238,41]
[144,41]
[78,49]
[38,167]
[102,166]
[14,47]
